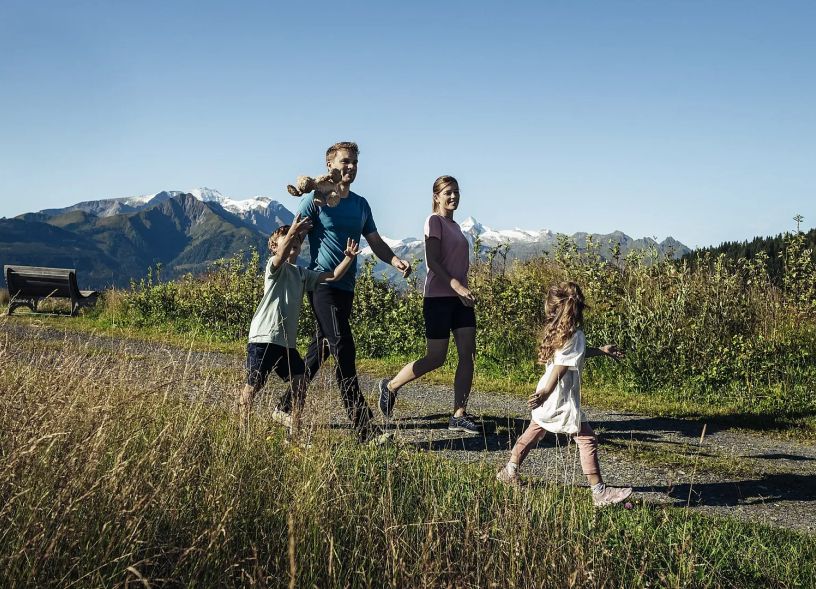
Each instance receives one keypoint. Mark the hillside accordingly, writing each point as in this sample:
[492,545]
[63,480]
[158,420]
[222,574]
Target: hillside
[181,232]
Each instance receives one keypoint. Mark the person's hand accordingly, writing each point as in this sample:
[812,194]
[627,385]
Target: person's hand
[403,267]
[300,225]
[352,248]
[536,399]
[612,351]
[464,294]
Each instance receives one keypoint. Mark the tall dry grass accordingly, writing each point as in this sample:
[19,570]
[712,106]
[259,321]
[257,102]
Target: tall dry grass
[123,465]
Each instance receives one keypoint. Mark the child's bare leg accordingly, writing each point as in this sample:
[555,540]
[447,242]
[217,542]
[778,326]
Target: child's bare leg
[244,400]
[587,443]
[437,351]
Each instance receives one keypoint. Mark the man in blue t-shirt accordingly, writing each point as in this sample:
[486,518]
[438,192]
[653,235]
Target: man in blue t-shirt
[332,303]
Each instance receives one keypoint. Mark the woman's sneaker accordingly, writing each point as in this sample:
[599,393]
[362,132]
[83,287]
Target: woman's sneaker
[387,398]
[610,496]
[463,424]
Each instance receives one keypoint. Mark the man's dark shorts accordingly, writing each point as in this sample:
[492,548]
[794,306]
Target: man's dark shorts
[444,314]
[264,358]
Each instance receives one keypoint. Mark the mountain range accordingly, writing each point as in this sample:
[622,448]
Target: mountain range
[109,241]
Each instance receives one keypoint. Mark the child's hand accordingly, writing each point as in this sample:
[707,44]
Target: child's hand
[352,248]
[536,399]
[300,225]
[612,351]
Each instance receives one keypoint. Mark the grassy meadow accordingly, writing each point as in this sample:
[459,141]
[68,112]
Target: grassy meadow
[118,470]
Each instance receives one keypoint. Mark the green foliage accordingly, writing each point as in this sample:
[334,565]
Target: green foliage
[220,303]
[716,330]
[769,247]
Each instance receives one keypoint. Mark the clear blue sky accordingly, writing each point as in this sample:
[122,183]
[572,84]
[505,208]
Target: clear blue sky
[694,119]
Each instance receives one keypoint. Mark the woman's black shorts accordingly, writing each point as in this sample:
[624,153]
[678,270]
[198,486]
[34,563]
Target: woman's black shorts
[264,358]
[444,314]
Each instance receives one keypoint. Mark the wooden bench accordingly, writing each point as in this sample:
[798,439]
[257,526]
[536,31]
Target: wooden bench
[28,285]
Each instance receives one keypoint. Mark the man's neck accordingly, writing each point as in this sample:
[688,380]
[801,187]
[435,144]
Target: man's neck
[343,190]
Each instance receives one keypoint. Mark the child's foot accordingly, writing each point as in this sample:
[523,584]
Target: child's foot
[508,477]
[281,417]
[387,398]
[463,423]
[373,435]
[610,496]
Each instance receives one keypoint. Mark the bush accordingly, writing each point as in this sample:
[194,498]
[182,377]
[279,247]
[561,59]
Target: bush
[715,330]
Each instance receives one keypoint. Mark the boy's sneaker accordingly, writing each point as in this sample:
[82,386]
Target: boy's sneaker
[610,496]
[387,398]
[463,424]
[507,477]
[281,417]
[374,435]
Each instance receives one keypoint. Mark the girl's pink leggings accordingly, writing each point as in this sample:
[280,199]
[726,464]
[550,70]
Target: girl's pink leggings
[585,439]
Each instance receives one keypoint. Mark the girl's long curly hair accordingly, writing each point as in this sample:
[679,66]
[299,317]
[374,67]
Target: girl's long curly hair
[563,315]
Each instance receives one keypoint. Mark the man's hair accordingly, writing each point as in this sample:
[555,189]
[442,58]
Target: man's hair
[347,145]
[272,244]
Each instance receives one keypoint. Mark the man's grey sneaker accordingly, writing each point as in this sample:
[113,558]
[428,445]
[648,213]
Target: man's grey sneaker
[387,398]
[463,424]
[281,417]
[507,477]
[610,496]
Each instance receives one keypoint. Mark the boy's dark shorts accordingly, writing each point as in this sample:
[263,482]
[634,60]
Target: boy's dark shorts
[264,358]
[444,314]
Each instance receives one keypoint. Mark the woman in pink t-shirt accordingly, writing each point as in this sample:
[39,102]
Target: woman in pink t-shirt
[447,307]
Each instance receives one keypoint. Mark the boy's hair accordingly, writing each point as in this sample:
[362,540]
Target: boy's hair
[272,244]
[563,314]
[347,145]
[438,185]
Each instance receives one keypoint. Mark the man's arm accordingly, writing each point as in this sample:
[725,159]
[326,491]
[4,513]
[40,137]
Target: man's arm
[386,254]
[352,249]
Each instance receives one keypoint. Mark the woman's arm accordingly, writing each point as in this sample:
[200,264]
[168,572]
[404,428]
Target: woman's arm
[538,397]
[433,251]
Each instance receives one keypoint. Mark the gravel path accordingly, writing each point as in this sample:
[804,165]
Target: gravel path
[667,461]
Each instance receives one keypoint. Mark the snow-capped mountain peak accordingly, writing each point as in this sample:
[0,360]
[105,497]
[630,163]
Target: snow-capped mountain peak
[208,195]
[472,226]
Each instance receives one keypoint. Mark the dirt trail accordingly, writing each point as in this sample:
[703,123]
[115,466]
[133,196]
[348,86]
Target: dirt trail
[731,473]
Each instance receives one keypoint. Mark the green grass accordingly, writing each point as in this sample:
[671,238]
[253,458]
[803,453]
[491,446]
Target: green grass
[109,477]
[489,377]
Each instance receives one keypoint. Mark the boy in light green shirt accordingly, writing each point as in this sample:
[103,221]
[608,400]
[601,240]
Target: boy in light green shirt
[273,330]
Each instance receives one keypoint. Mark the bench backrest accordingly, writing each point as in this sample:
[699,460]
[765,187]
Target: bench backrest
[33,281]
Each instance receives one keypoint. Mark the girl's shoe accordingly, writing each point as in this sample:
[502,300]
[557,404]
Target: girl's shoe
[610,496]
[507,477]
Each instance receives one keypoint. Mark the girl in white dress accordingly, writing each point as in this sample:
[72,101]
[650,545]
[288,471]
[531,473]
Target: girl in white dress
[556,404]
